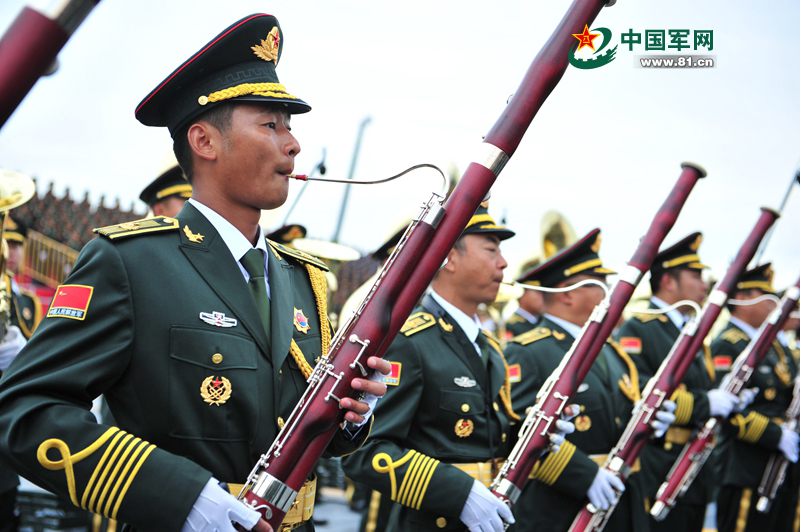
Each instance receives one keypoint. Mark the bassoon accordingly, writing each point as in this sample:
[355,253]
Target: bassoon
[775,472]
[29,48]
[669,375]
[281,471]
[697,450]
[562,384]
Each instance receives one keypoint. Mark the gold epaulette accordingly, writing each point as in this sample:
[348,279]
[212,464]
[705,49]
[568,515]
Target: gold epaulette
[644,317]
[734,336]
[138,227]
[417,322]
[299,255]
[532,336]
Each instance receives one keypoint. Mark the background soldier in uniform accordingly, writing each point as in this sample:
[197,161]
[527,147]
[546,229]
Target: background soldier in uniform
[754,434]
[676,275]
[447,412]
[563,480]
[199,387]
[530,306]
[166,195]
[26,311]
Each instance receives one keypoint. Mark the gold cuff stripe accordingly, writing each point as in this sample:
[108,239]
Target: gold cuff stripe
[183,190]
[684,401]
[112,449]
[136,468]
[549,469]
[273,90]
[415,481]
[582,266]
[756,428]
[390,467]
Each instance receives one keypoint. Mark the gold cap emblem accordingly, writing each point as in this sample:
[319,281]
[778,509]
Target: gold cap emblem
[215,390]
[268,49]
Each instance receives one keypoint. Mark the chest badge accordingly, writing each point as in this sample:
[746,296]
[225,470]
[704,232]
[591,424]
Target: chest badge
[218,318]
[464,382]
[769,394]
[300,321]
[583,423]
[215,390]
[464,427]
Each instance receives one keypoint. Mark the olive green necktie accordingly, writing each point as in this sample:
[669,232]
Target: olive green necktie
[253,262]
[486,349]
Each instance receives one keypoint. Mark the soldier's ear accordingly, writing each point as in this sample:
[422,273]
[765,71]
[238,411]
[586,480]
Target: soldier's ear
[204,140]
[451,264]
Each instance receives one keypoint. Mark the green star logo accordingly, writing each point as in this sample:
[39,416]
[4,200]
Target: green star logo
[599,57]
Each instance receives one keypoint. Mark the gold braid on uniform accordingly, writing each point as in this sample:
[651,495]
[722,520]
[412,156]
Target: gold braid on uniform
[549,469]
[272,90]
[320,287]
[113,474]
[505,391]
[709,362]
[415,480]
[751,427]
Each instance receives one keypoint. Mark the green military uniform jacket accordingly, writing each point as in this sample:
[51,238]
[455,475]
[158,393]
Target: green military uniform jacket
[26,312]
[436,412]
[648,338]
[554,498]
[518,324]
[164,326]
[751,436]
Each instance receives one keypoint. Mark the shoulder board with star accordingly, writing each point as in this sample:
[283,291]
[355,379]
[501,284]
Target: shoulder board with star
[645,318]
[418,322]
[534,335]
[138,227]
[299,255]
[734,336]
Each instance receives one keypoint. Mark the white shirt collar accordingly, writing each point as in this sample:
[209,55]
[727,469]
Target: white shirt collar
[527,315]
[674,315]
[470,325]
[746,327]
[571,328]
[237,243]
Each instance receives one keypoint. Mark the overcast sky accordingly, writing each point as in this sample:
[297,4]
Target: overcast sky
[432,77]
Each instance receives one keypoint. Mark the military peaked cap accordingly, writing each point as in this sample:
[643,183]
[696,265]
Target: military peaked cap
[482,222]
[580,257]
[170,183]
[15,230]
[759,277]
[237,65]
[683,254]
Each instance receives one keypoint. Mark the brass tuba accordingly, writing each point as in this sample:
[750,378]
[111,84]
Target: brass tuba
[557,233]
[15,190]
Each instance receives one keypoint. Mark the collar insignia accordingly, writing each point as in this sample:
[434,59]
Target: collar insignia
[300,321]
[268,49]
[464,382]
[193,237]
[218,318]
[446,326]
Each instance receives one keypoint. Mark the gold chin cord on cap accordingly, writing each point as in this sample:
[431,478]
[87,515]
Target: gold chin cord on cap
[15,190]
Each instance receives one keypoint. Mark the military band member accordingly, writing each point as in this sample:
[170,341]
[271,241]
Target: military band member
[26,311]
[166,195]
[447,413]
[676,275]
[562,481]
[755,433]
[530,306]
[199,387]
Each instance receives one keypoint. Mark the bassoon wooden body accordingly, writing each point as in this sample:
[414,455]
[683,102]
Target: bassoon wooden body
[697,450]
[281,471]
[562,384]
[669,375]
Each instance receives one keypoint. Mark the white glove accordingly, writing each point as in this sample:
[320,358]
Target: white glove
[721,403]
[484,512]
[601,493]
[664,417]
[563,427]
[746,397]
[214,510]
[788,444]
[13,342]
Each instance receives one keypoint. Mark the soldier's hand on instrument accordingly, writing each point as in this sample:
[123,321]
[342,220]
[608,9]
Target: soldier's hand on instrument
[721,403]
[788,444]
[215,510]
[484,512]
[13,342]
[563,427]
[746,397]
[601,493]
[664,417]
[360,411]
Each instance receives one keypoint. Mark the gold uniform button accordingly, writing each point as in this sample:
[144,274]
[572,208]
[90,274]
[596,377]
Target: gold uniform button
[503,438]
[280,422]
[441,522]
[496,406]
[216,358]
[465,407]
